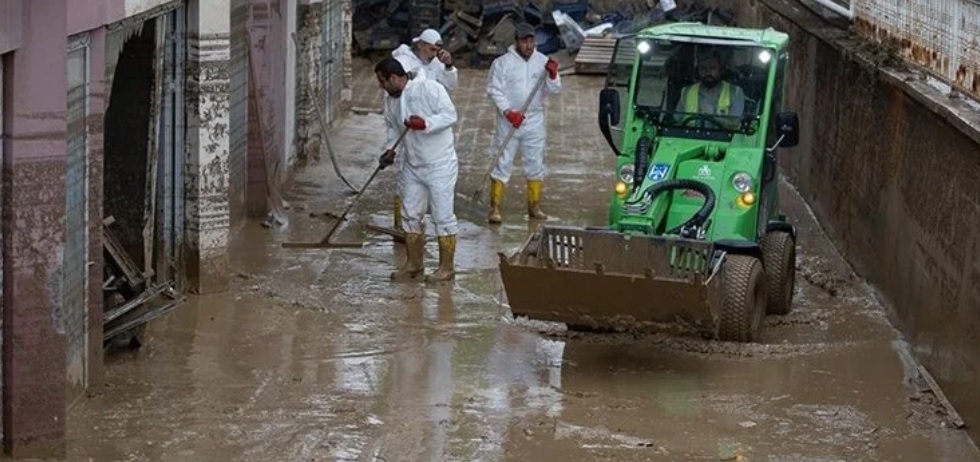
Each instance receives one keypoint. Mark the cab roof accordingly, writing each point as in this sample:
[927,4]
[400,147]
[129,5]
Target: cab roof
[768,37]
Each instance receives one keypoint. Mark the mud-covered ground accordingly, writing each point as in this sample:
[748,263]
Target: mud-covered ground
[315,355]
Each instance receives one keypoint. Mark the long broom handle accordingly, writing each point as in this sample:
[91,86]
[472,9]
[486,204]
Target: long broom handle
[510,134]
[360,193]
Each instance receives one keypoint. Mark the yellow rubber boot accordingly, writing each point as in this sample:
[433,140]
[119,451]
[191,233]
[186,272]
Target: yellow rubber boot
[412,269]
[447,257]
[496,197]
[534,200]
[398,218]
[398,212]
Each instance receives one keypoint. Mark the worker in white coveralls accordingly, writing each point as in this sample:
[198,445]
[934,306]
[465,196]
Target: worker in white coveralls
[426,59]
[511,79]
[429,168]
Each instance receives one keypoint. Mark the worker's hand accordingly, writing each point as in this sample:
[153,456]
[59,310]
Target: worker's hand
[445,57]
[552,68]
[415,123]
[515,118]
[386,159]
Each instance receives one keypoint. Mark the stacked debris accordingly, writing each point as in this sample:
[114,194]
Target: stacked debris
[599,41]
[476,31]
[131,298]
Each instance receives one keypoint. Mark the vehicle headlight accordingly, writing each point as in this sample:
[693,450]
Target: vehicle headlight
[742,182]
[626,173]
[643,47]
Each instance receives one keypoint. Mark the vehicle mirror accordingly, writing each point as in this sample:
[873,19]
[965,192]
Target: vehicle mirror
[788,129]
[609,107]
[608,115]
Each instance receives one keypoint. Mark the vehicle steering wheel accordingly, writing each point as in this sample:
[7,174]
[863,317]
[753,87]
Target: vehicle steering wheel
[703,118]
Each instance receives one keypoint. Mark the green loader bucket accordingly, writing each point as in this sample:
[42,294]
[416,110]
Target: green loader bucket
[604,280]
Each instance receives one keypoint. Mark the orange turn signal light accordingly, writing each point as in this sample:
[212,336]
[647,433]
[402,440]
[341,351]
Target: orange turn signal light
[621,188]
[746,199]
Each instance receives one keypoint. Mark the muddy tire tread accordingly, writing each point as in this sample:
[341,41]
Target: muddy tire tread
[741,274]
[779,255]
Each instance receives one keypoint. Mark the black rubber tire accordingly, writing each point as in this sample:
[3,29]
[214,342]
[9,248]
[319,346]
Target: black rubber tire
[743,299]
[779,256]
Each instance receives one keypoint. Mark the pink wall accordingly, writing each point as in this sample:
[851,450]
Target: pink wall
[41,68]
[84,15]
[34,166]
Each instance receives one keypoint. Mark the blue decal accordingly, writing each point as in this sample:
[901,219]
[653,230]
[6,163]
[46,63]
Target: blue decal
[659,172]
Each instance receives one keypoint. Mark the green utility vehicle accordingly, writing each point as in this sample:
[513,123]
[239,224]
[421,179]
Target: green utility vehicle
[695,243]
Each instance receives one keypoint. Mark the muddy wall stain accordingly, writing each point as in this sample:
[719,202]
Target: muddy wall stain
[207,182]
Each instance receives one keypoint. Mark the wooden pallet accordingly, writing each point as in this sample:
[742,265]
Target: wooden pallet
[594,56]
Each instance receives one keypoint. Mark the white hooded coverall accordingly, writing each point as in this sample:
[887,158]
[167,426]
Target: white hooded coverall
[509,83]
[435,70]
[429,165]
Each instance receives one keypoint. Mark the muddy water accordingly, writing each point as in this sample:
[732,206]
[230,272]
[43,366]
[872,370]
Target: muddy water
[315,355]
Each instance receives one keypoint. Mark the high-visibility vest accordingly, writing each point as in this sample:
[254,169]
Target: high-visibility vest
[692,102]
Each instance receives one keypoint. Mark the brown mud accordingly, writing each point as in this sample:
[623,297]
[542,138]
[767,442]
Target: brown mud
[315,355]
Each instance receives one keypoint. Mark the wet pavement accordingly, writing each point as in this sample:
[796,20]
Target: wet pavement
[315,355]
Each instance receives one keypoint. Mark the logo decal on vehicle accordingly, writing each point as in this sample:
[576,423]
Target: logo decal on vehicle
[704,171]
[659,172]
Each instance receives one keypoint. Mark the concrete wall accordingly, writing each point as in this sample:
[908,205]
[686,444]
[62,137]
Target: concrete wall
[939,35]
[35,99]
[891,168]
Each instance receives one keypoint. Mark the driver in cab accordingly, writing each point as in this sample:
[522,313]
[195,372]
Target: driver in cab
[711,95]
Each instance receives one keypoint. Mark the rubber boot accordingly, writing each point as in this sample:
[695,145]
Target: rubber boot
[447,256]
[534,200]
[412,269]
[398,211]
[496,197]
[398,217]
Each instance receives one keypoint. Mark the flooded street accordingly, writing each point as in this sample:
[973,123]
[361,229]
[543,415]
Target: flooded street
[316,355]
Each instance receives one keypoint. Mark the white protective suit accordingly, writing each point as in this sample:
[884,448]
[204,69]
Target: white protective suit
[509,83]
[435,70]
[429,166]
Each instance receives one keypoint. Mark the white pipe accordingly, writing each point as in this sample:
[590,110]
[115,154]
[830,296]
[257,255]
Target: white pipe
[830,5]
